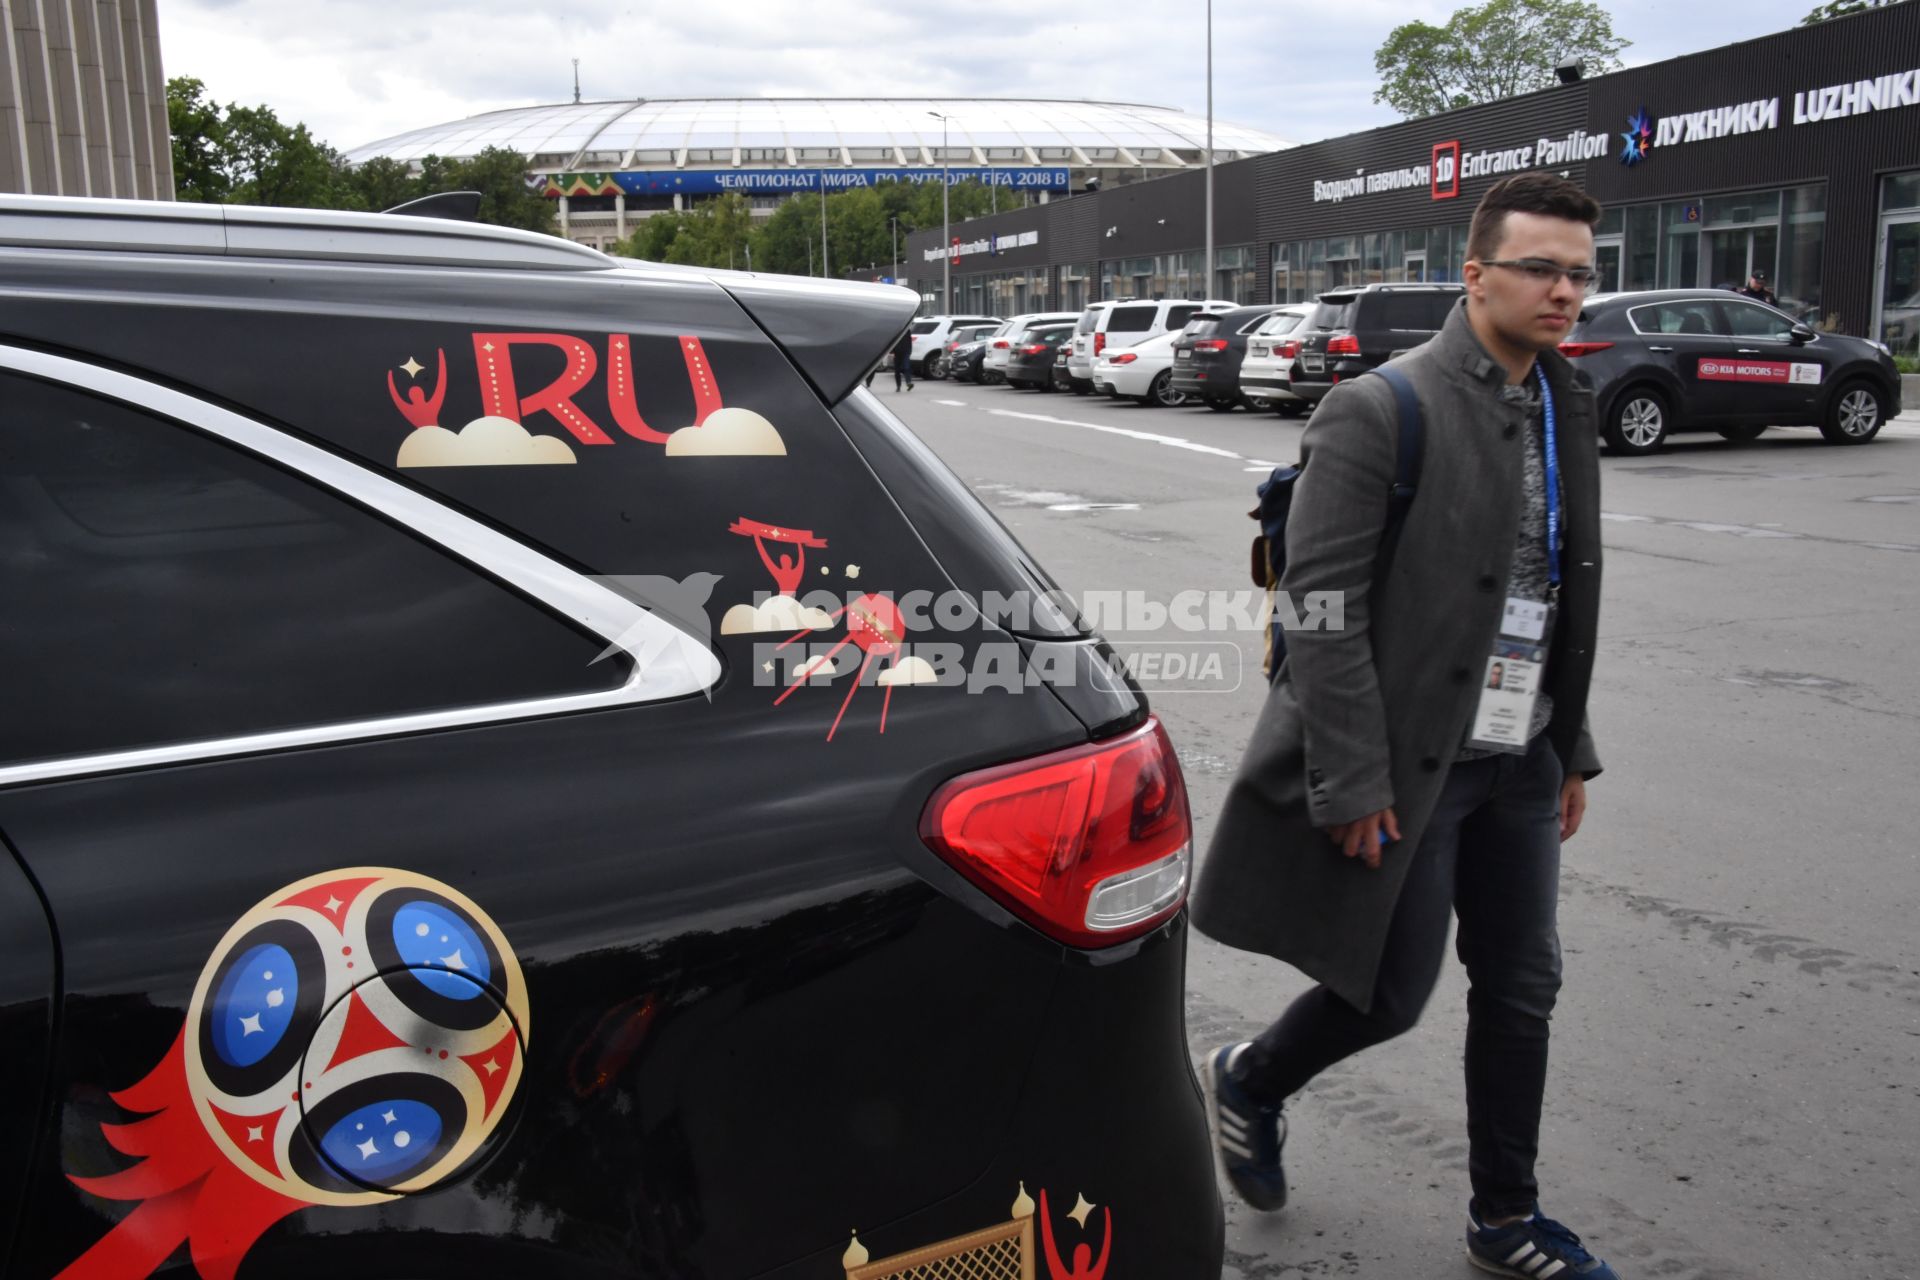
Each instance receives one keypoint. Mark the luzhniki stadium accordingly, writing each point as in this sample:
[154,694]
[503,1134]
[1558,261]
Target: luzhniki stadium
[609,163]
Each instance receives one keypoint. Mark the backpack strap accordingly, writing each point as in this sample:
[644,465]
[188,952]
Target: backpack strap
[1409,453]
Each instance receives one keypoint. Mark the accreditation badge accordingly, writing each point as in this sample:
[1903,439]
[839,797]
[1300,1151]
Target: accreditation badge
[1510,683]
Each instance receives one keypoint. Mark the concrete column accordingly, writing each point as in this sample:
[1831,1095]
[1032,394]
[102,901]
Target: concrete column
[93,95]
[119,126]
[140,89]
[13,116]
[620,215]
[63,84]
[159,131]
[563,216]
[41,154]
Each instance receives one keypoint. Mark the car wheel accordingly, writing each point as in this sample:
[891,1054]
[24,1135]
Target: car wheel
[1638,423]
[1741,435]
[1222,404]
[1161,391]
[1855,415]
[1291,408]
[937,368]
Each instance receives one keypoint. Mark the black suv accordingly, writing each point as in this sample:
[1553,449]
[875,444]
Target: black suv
[1208,353]
[1030,364]
[454,818]
[1677,360]
[1354,330]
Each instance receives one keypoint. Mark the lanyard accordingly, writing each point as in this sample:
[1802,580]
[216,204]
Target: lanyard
[1553,482]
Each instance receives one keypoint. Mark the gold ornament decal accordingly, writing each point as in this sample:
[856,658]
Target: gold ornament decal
[1004,1251]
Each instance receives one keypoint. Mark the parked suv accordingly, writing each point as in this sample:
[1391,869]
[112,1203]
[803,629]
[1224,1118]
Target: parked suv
[931,335]
[1677,360]
[1015,335]
[1208,352]
[472,800]
[1354,330]
[1121,324]
[1030,365]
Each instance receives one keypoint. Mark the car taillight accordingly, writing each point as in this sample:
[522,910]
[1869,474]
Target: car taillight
[1091,845]
[1574,350]
[1033,349]
[1099,343]
[1125,357]
[1210,344]
[1287,350]
[1344,345]
[1000,345]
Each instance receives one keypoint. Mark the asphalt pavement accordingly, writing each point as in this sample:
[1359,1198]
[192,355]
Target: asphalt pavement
[1734,1090]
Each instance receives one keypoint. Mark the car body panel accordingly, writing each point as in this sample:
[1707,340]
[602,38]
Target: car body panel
[758,1008]
[1209,373]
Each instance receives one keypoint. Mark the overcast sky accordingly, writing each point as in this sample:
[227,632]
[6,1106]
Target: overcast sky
[359,70]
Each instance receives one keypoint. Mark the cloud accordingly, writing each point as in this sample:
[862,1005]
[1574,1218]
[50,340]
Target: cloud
[778,613]
[484,442]
[910,671]
[727,433]
[813,668]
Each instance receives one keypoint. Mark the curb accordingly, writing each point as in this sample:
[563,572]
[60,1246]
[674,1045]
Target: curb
[1910,390]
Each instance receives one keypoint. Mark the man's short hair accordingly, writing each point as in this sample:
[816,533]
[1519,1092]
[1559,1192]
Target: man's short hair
[1541,193]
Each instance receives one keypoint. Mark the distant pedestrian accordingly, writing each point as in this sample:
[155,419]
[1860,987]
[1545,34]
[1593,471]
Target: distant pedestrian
[1439,796]
[903,361]
[1758,291]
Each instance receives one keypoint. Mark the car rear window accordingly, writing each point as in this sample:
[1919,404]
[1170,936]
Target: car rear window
[1284,322]
[1408,311]
[1334,313]
[1177,316]
[1200,326]
[1088,321]
[1131,319]
[924,326]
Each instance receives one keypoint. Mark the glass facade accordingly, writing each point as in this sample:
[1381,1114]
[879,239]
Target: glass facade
[1305,269]
[1897,299]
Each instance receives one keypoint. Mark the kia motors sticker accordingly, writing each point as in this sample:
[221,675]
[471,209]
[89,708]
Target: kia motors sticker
[1717,370]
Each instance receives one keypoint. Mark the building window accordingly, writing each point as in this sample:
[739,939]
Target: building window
[1897,302]
[1803,235]
[1642,258]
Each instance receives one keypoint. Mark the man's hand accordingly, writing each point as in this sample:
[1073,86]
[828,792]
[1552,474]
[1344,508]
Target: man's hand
[1573,806]
[1361,837]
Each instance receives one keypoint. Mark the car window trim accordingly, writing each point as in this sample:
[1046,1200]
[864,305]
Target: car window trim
[667,662]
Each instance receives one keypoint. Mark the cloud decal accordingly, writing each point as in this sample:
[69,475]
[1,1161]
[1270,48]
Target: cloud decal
[727,433]
[484,442]
[910,671]
[778,613]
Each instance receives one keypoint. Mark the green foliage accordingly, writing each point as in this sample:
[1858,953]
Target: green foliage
[248,155]
[860,228]
[1491,51]
[1840,9]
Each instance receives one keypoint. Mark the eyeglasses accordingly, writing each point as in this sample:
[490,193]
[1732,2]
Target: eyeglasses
[1545,273]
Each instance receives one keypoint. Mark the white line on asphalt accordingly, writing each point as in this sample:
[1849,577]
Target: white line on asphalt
[958,404]
[1172,442]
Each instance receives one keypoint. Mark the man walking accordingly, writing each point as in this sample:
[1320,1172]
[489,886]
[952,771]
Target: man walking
[903,361]
[1391,779]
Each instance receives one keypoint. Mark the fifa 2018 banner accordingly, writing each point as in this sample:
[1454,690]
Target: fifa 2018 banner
[700,182]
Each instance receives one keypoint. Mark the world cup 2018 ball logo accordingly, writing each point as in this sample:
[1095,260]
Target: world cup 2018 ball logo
[354,1037]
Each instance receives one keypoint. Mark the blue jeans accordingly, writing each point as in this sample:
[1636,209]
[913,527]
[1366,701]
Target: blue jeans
[1491,854]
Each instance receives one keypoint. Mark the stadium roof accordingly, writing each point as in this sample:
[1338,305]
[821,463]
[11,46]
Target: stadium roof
[667,132]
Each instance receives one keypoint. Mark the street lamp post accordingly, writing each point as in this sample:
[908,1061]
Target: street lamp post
[1206,287]
[946,222]
[894,222]
[823,225]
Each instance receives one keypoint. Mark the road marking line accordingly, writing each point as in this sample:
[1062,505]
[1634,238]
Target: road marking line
[958,404]
[1151,437]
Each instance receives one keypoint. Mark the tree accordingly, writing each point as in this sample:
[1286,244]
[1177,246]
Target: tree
[1840,9]
[199,142]
[506,200]
[1491,51]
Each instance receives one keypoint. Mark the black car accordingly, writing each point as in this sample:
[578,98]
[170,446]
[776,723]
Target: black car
[1208,352]
[1676,360]
[478,795]
[964,355]
[1030,364]
[1352,331]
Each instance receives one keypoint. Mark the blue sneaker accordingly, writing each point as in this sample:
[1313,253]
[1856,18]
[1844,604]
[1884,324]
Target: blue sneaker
[1249,1136]
[1537,1248]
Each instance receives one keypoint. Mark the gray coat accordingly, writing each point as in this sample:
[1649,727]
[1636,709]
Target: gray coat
[1371,715]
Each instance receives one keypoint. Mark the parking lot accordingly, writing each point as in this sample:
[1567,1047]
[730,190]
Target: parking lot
[1733,1090]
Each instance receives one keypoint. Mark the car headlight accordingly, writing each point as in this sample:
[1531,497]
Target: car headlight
[1885,350]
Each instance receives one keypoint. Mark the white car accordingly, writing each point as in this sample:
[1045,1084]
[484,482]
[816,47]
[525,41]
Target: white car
[1140,372]
[1011,335]
[932,333]
[1270,356]
[1122,324]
